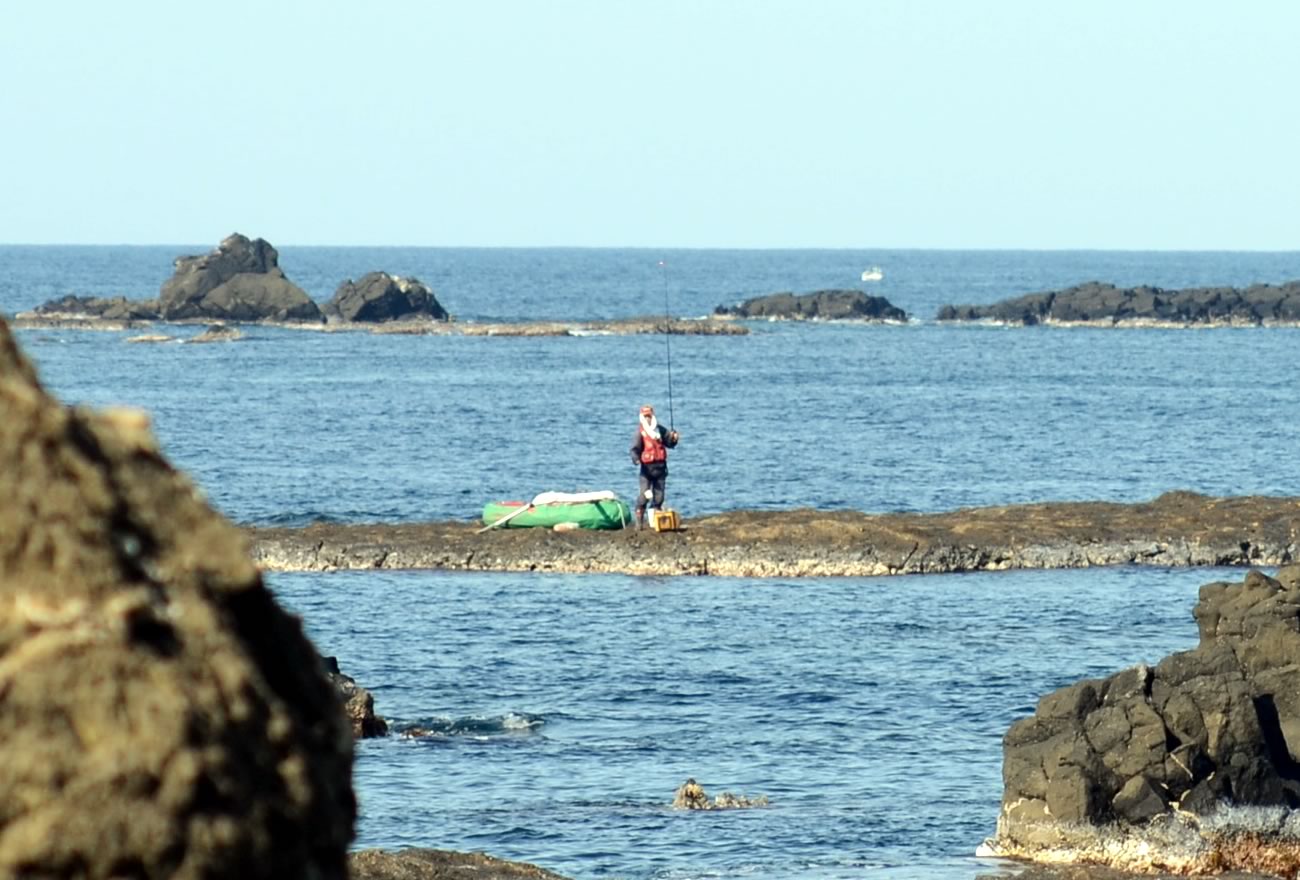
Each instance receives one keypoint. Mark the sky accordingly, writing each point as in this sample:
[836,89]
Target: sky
[674,123]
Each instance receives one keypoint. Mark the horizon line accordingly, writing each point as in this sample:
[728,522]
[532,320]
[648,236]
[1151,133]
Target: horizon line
[664,248]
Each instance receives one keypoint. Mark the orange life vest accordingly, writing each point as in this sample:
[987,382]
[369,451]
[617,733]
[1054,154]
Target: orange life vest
[652,448]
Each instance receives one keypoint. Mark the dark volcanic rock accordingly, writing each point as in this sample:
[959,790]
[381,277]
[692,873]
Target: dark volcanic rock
[358,703]
[1098,303]
[117,308]
[824,305]
[239,281]
[379,296]
[160,714]
[1153,751]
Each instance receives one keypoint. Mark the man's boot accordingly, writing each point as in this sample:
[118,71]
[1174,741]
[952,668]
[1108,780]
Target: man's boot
[640,520]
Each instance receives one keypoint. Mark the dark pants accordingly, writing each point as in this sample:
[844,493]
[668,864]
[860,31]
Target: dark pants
[652,482]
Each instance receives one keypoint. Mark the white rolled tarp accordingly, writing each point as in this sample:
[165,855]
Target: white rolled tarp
[572,497]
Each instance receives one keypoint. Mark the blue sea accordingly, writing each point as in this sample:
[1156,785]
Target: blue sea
[567,709]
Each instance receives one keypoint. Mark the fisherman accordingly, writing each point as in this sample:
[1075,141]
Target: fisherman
[650,450]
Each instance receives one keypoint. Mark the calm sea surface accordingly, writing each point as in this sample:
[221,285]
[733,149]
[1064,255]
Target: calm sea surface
[568,708]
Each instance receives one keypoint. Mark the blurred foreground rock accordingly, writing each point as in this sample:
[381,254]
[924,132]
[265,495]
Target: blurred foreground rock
[160,715]
[1189,766]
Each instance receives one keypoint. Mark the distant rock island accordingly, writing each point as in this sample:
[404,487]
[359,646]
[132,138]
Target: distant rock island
[1108,305]
[820,305]
[241,281]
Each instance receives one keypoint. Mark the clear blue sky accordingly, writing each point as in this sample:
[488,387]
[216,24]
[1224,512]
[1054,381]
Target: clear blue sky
[672,123]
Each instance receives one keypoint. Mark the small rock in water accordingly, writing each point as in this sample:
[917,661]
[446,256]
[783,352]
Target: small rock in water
[691,796]
[218,333]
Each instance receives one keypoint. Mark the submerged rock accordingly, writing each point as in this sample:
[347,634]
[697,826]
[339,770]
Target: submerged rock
[1187,766]
[218,333]
[379,297]
[160,714]
[821,305]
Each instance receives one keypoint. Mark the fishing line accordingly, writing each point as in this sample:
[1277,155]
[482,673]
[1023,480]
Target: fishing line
[668,346]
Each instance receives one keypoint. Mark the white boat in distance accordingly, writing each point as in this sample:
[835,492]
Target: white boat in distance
[872,273]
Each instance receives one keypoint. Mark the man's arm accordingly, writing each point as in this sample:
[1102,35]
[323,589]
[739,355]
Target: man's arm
[637,445]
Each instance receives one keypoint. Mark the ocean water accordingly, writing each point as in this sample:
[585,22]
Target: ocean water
[567,709]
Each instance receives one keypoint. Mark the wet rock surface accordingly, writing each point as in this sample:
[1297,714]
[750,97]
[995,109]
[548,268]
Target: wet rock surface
[1176,529]
[358,703]
[692,796]
[1189,766]
[160,714]
[1106,304]
[820,305]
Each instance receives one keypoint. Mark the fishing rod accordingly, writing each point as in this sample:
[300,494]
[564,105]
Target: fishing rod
[668,346]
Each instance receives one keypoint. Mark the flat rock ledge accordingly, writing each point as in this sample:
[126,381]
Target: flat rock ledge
[437,864]
[706,326]
[1177,529]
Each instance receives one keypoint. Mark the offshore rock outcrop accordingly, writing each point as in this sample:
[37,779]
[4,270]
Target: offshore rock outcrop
[379,297]
[820,305]
[1190,766]
[1176,529]
[1108,305]
[160,714]
[240,280]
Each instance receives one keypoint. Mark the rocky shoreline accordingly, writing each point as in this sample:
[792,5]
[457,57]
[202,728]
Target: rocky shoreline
[1178,529]
[1185,767]
[706,326]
